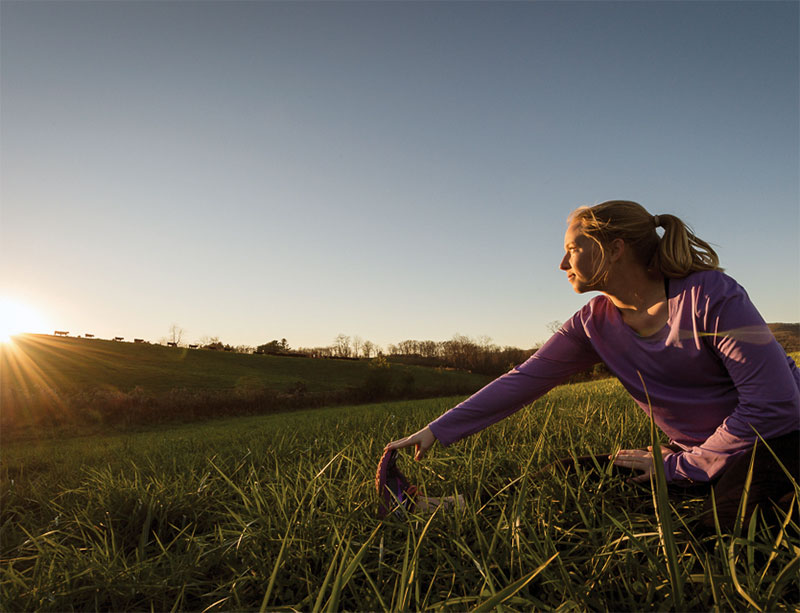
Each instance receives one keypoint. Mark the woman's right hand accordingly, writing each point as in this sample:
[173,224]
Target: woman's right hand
[422,441]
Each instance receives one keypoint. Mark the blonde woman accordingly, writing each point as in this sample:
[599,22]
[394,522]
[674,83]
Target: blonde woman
[668,317]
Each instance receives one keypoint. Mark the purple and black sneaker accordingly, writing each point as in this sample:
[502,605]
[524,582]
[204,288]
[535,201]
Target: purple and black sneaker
[394,490]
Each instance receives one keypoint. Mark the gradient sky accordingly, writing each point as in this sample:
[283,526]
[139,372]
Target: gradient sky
[390,170]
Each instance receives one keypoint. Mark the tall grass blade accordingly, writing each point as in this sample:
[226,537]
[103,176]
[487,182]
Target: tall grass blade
[336,589]
[356,561]
[748,481]
[507,592]
[663,510]
[324,587]
[737,528]
[400,587]
[373,585]
[275,568]
[735,579]
[787,574]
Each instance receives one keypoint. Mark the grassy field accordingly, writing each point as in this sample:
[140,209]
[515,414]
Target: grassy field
[50,381]
[70,364]
[279,512]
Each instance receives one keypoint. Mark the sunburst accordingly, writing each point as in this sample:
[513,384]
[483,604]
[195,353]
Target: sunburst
[17,317]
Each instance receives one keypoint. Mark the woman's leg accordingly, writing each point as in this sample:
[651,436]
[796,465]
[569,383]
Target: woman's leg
[769,482]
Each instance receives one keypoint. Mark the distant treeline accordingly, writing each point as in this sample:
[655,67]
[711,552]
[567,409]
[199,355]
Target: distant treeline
[479,356]
[464,353]
[460,352]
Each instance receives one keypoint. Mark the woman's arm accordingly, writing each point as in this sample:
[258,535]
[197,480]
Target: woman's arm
[566,353]
[766,380]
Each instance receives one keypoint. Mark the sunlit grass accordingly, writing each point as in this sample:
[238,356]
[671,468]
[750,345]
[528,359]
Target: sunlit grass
[280,511]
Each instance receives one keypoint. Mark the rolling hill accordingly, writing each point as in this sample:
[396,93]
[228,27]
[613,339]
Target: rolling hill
[56,380]
[71,364]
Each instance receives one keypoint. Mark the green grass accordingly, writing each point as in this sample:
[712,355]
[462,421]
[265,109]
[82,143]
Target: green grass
[278,512]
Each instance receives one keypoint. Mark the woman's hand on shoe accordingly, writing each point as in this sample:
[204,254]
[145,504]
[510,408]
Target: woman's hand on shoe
[422,441]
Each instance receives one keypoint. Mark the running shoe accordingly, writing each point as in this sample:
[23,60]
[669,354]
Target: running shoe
[394,490]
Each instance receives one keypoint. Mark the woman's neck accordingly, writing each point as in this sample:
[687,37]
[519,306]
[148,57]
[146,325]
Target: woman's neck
[640,298]
[635,292]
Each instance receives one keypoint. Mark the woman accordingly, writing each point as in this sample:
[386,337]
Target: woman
[682,337]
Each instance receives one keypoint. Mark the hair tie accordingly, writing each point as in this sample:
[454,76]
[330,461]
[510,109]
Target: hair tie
[656,220]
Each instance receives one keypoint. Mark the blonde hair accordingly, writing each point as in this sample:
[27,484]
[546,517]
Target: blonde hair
[676,254]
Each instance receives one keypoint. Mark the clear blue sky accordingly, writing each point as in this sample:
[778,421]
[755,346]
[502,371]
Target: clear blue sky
[390,170]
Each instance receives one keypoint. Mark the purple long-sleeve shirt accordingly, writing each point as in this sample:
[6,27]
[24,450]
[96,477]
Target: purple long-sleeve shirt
[713,374]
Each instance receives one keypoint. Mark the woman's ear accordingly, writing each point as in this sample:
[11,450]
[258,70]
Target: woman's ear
[616,249]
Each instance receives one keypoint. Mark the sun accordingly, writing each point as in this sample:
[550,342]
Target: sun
[16,317]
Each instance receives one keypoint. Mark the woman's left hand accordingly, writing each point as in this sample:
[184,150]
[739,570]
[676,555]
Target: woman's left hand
[638,459]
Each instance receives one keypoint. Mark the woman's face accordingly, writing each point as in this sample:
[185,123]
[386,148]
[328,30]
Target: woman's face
[581,260]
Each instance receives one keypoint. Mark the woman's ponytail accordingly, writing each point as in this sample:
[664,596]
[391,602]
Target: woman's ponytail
[680,252]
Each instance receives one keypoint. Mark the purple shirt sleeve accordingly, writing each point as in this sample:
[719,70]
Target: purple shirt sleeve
[566,353]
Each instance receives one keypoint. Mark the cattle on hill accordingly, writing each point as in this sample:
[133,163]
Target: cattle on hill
[60,333]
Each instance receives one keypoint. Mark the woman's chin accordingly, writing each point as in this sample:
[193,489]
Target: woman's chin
[582,288]
[577,286]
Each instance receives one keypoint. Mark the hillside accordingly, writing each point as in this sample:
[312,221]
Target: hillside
[71,364]
[47,379]
[788,335]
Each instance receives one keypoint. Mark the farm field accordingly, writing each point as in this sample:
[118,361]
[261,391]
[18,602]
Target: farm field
[278,512]
[52,381]
[69,364]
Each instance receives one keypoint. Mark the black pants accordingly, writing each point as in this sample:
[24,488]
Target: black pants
[769,485]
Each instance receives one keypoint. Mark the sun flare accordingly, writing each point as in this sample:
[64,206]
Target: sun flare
[16,317]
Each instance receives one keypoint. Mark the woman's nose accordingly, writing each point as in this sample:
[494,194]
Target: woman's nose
[565,262]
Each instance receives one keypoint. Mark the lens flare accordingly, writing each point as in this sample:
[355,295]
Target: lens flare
[16,317]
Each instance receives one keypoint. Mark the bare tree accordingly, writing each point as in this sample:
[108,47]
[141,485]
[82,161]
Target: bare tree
[358,345]
[485,343]
[175,333]
[368,347]
[316,352]
[428,349]
[341,345]
[554,326]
